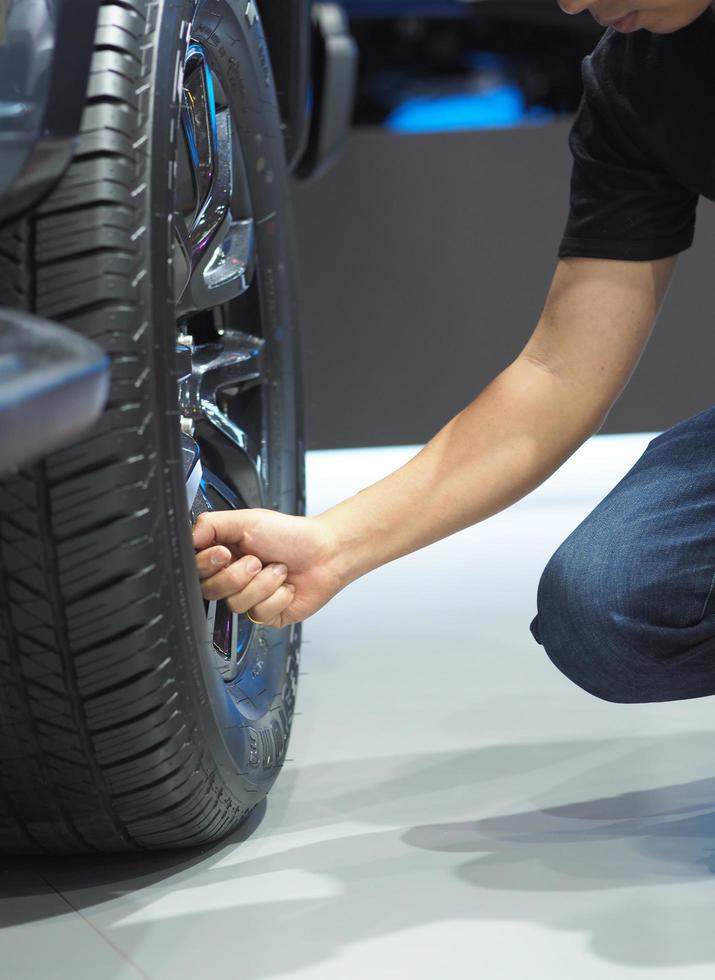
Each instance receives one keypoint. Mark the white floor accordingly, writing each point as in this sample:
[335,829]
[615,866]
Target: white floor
[453,806]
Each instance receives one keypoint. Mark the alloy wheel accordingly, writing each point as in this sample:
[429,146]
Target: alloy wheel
[223,388]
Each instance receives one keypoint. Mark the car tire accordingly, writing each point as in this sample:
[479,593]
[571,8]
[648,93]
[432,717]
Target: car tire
[120,727]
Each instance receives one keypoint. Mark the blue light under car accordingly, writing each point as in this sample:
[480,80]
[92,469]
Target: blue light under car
[498,107]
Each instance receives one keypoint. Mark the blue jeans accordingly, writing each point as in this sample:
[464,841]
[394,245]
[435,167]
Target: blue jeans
[626,606]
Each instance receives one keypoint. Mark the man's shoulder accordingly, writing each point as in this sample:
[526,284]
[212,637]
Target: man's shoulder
[639,58]
[653,95]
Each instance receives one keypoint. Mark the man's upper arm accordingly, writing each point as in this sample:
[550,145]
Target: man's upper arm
[597,319]
[629,217]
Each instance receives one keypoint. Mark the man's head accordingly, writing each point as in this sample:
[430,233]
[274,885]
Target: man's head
[657,16]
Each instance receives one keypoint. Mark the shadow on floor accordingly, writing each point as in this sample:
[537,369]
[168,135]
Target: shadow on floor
[599,867]
[567,850]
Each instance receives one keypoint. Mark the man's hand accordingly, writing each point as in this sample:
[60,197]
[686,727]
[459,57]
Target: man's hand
[279,568]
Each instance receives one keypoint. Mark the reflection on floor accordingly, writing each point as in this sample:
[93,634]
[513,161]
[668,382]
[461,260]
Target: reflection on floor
[453,806]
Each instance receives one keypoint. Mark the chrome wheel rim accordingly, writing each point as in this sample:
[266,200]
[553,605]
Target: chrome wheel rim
[219,348]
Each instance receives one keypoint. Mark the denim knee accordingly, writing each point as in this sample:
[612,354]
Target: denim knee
[575,625]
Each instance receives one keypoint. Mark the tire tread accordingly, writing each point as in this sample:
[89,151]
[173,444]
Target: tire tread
[99,746]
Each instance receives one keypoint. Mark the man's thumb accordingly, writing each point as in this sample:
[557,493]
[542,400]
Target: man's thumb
[203,533]
[218,527]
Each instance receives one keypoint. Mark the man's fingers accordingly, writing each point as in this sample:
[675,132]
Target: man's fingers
[269,611]
[258,589]
[212,560]
[231,580]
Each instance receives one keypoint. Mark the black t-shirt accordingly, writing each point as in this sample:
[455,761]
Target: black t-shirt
[643,143]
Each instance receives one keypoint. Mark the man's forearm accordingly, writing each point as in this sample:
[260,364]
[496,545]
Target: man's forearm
[519,430]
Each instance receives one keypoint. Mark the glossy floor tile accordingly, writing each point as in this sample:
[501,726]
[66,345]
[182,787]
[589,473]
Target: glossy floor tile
[453,807]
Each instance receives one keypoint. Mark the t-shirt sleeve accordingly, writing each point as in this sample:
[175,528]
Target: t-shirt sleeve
[623,204]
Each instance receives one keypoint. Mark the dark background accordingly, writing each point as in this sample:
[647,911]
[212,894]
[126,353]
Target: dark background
[425,259]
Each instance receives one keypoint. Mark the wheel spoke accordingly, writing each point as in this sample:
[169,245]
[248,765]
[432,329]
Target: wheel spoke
[215,207]
[198,116]
[193,471]
[231,634]
[219,248]
[232,360]
[251,448]
[233,364]
[232,262]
